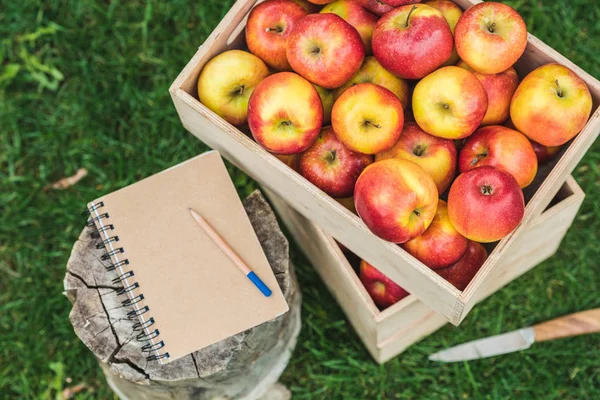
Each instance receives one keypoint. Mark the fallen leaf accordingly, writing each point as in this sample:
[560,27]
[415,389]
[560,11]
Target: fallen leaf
[67,182]
[71,391]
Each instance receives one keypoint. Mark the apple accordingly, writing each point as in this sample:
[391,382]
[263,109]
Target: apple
[435,155]
[321,2]
[396,199]
[490,37]
[551,105]
[503,148]
[325,49]
[348,203]
[327,100]
[367,118]
[441,245]
[461,273]
[357,16]
[452,12]
[372,72]
[449,103]
[308,6]
[485,204]
[269,25]
[544,153]
[285,113]
[499,89]
[382,289]
[412,41]
[227,81]
[375,6]
[398,3]
[331,166]
[291,160]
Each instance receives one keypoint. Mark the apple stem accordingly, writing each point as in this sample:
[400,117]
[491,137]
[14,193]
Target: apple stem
[239,90]
[559,92]
[367,122]
[277,29]
[477,158]
[409,14]
[418,150]
[492,27]
[331,155]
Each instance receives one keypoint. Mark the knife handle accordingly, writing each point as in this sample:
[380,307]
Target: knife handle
[580,323]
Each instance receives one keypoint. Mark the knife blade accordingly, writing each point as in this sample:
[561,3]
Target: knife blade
[570,325]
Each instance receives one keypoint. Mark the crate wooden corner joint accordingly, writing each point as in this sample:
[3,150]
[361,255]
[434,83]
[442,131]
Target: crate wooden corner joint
[311,202]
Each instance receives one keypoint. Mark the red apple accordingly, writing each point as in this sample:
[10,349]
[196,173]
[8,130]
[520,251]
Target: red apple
[367,118]
[285,113]
[396,199]
[357,16]
[461,273]
[435,155]
[551,105]
[441,245]
[545,153]
[325,49]
[503,148]
[331,166]
[269,25]
[412,41]
[321,2]
[452,12]
[449,103]
[375,6]
[499,89]
[485,204]
[490,37]
[382,289]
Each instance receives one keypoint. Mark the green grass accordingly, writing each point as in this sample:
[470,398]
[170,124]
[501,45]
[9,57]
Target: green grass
[83,83]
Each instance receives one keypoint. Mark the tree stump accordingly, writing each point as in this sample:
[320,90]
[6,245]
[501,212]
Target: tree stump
[244,366]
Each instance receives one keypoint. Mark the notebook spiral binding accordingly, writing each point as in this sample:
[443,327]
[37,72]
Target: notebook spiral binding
[109,242]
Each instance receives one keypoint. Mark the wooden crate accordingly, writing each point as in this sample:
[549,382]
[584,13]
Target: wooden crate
[306,198]
[387,333]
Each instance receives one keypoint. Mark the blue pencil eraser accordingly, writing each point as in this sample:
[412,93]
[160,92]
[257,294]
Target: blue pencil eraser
[259,284]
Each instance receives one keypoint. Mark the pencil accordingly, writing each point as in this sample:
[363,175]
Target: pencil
[219,241]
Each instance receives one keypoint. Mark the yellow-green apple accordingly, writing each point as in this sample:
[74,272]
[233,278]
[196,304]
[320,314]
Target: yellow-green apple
[327,100]
[441,245]
[291,160]
[490,37]
[308,6]
[435,155]
[452,12]
[372,72]
[367,118]
[331,166]
[325,49]
[499,89]
[412,41]
[382,289]
[551,105]
[269,25]
[227,81]
[375,6]
[545,153]
[485,204]
[396,199]
[285,113]
[461,273]
[357,16]
[449,103]
[503,148]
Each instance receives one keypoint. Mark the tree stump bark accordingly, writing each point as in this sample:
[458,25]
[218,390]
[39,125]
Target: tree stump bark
[244,366]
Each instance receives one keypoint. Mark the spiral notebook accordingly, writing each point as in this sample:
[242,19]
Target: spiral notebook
[186,293]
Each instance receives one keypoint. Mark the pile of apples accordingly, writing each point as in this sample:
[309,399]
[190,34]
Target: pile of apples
[396,103]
